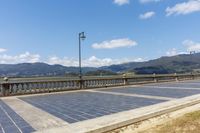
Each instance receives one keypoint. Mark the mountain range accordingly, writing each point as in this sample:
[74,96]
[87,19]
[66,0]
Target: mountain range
[167,64]
[174,64]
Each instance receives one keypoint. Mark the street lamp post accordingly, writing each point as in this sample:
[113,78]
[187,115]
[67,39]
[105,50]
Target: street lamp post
[81,37]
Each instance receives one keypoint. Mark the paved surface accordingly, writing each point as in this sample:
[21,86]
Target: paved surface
[164,91]
[79,106]
[26,114]
[11,122]
[187,84]
[38,118]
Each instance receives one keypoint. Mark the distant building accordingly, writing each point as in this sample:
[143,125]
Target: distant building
[192,52]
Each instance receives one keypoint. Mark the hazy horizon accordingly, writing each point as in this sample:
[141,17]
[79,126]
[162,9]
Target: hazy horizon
[96,66]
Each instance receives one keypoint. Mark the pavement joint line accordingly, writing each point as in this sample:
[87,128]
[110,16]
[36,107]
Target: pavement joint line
[2,128]
[11,119]
[133,95]
[170,87]
[38,119]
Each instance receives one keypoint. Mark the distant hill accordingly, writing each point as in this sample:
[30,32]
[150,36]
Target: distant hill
[39,69]
[179,64]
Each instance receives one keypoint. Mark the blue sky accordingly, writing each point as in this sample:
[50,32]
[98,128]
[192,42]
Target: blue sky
[117,30]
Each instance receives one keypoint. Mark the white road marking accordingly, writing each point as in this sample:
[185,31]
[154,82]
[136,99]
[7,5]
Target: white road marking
[11,119]
[36,118]
[2,128]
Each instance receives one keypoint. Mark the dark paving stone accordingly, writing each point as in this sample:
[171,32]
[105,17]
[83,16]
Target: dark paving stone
[185,84]
[6,123]
[11,129]
[26,129]
[191,81]
[79,106]
[164,92]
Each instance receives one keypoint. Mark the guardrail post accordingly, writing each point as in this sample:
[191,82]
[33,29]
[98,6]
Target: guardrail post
[5,87]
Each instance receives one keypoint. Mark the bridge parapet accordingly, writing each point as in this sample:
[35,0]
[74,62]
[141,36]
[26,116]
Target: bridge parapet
[19,86]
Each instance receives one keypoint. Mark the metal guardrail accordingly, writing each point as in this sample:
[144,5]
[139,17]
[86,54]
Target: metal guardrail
[19,86]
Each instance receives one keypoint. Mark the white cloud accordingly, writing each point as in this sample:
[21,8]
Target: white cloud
[184,8]
[121,2]
[192,46]
[62,61]
[2,50]
[125,42]
[22,58]
[172,52]
[147,1]
[147,15]
[92,61]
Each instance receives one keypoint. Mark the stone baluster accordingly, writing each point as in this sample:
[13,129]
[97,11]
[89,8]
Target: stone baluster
[5,87]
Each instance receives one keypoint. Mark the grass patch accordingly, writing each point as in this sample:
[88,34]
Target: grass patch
[189,123]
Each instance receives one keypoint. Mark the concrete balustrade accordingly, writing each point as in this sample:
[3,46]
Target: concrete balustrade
[19,86]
